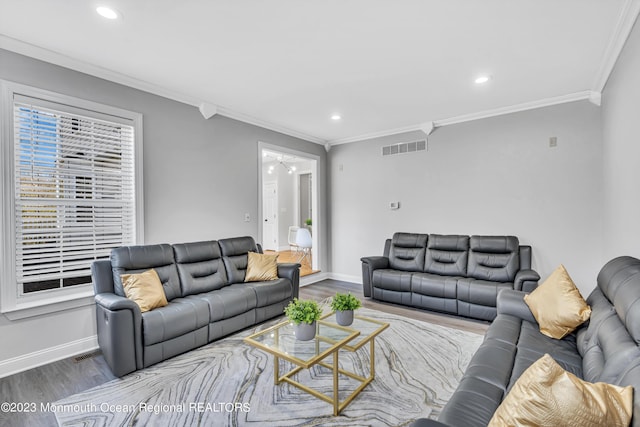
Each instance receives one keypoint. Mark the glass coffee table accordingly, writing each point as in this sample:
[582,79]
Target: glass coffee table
[280,341]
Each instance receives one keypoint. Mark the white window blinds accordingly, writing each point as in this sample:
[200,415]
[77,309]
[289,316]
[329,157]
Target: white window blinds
[74,191]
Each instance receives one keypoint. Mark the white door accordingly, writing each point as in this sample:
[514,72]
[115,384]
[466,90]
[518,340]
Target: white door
[270,215]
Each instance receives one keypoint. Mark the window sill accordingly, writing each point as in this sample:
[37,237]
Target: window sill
[26,309]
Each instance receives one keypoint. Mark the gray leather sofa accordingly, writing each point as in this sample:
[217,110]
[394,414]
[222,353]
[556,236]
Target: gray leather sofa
[605,349]
[208,299]
[449,273]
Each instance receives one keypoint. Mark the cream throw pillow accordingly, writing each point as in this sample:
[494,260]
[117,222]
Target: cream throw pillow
[557,305]
[145,289]
[261,267]
[547,395]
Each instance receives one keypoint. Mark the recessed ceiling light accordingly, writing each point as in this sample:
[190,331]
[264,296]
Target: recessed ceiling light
[336,117]
[107,12]
[482,79]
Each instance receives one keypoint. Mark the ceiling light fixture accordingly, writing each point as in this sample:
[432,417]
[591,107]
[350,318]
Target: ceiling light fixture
[290,169]
[107,12]
[482,79]
[336,117]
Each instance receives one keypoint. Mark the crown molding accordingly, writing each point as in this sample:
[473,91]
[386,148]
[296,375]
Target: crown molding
[547,102]
[621,32]
[428,127]
[65,61]
[232,114]
[378,134]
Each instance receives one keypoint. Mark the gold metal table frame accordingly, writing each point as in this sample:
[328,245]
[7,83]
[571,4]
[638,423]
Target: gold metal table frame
[330,339]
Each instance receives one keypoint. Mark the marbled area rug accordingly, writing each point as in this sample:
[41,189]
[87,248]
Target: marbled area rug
[230,383]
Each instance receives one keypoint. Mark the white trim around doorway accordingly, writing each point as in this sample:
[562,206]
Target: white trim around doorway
[317,217]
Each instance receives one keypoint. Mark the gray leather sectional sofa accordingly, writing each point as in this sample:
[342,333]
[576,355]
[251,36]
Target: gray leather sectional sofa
[449,273]
[208,299]
[604,349]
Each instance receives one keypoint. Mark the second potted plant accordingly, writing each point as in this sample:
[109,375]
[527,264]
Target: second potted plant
[303,313]
[344,305]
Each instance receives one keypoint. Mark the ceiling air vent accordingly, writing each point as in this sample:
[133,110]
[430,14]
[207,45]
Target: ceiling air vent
[405,147]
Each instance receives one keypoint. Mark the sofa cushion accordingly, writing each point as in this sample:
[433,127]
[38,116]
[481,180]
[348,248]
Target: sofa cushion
[557,305]
[229,301]
[482,292]
[472,404]
[136,259]
[407,251]
[181,316]
[393,280]
[447,255]
[261,267]
[234,251]
[434,292]
[145,289]
[434,285]
[618,281]
[271,292]
[200,267]
[532,345]
[547,395]
[493,258]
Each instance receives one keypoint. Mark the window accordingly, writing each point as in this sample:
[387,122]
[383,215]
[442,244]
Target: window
[74,192]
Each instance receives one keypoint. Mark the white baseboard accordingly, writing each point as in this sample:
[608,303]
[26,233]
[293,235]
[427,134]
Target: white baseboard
[313,278]
[47,355]
[346,278]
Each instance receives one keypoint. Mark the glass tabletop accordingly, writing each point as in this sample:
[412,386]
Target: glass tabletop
[280,340]
[368,328]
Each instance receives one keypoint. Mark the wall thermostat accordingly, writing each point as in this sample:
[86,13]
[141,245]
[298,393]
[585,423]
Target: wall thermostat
[394,205]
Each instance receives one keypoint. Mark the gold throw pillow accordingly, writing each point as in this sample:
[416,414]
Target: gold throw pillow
[145,289]
[547,395]
[261,267]
[557,305]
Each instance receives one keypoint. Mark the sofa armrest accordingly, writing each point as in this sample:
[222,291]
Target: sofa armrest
[512,302]
[119,326]
[291,271]
[102,276]
[369,264]
[115,302]
[526,280]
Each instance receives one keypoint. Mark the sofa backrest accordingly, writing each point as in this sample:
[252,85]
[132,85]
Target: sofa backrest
[447,255]
[234,252]
[200,267]
[493,258]
[407,251]
[608,342]
[136,259]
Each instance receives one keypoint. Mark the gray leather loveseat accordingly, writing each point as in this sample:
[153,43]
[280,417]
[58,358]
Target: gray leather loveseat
[604,349]
[449,273]
[208,299]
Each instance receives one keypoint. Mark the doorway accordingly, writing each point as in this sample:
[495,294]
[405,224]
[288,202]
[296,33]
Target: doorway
[288,180]
[270,216]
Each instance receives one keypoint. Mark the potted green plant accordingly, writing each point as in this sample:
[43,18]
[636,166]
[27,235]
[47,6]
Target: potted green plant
[303,314]
[344,305]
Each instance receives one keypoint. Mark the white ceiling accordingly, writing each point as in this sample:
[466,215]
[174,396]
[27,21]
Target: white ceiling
[385,66]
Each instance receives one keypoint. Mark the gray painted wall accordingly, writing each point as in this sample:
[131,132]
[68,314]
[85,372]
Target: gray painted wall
[491,176]
[621,131]
[200,178]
